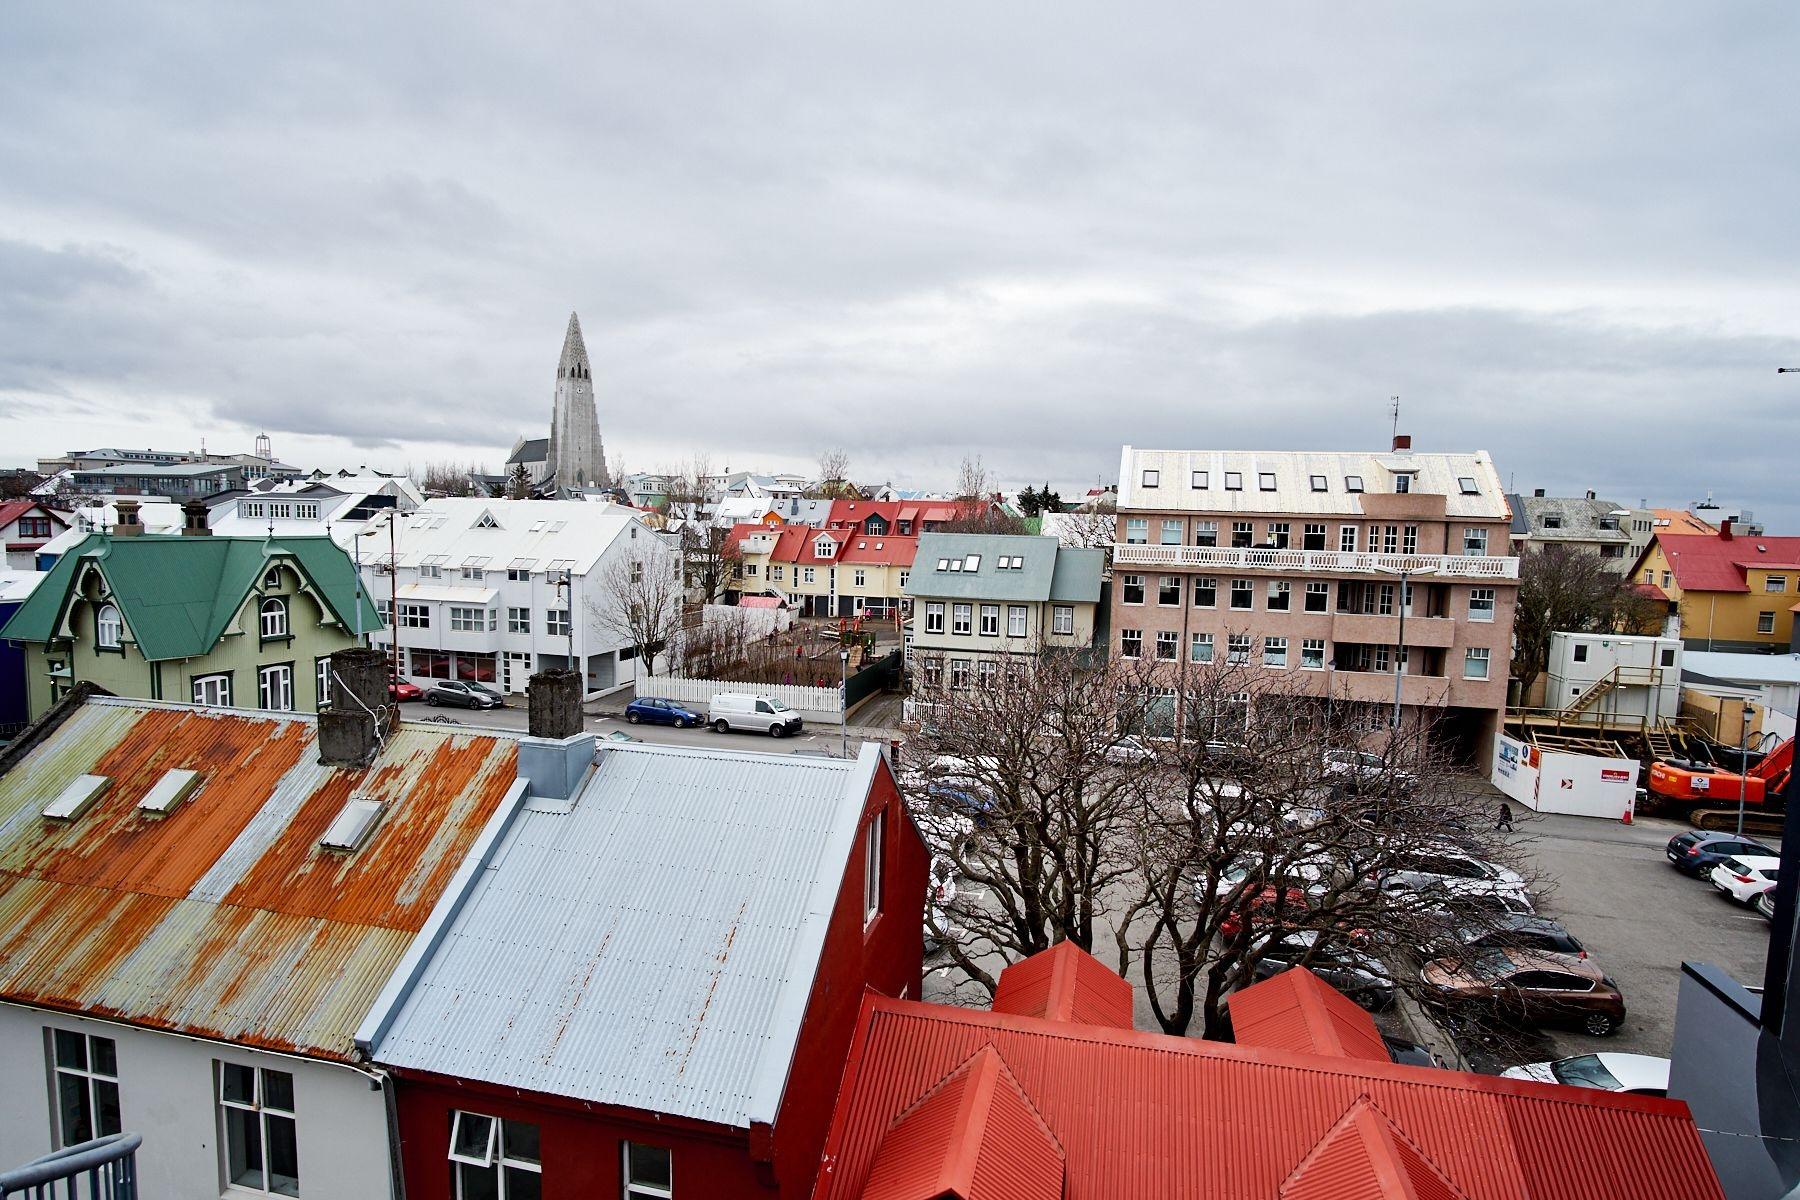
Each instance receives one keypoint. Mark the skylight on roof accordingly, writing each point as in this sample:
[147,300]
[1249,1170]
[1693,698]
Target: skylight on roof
[1353,483]
[75,799]
[175,786]
[1265,480]
[350,828]
[943,564]
[1466,484]
[1318,483]
[1234,481]
[972,562]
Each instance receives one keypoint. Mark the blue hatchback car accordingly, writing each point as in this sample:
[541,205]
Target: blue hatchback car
[1697,852]
[649,710]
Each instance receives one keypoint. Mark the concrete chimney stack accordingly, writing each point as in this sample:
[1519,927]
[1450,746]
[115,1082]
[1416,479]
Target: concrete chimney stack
[193,523]
[1725,533]
[556,754]
[360,716]
[128,524]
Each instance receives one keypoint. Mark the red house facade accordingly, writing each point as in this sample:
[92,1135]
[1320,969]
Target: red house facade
[651,989]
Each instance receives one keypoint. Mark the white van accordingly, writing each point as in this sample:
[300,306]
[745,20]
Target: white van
[742,710]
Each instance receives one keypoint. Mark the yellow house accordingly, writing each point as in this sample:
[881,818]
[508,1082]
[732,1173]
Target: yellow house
[1730,591]
[825,571]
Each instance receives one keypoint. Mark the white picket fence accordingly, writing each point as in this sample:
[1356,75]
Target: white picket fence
[811,702]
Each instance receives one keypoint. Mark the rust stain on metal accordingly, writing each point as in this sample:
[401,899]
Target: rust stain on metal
[113,913]
[712,986]
[572,996]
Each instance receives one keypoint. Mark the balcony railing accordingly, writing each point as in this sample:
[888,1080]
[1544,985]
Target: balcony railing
[1323,562]
[108,1166]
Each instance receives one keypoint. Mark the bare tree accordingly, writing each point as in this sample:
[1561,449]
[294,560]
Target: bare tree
[834,471]
[1200,828]
[638,599]
[972,479]
[17,484]
[1091,527]
[710,560]
[449,479]
[1565,590]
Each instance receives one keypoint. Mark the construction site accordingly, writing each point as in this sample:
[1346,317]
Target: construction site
[1618,732]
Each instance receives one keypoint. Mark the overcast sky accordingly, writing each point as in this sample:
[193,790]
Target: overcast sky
[1568,234]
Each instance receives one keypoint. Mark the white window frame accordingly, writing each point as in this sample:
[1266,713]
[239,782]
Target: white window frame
[1346,539]
[1775,583]
[874,854]
[1168,645]
[1475,541]
[1765,622]
[1151,477]
[1133,638]
[321,681]
[272,617]
[467,620]
[1312,645]
[1484,597]
[1237,648]
[1275,653]
[1200,648]
[635,1190]
[990,620]
[556,622]
[109,627]
[89,1078]
[275,683]
[202,684]
[1137,531]
[1018,618]
[263,1113]
[1321,589]
[415,616]
[1234,481]
[934,616]
[962,619]
[518,620]
[1198,480]
[1062,619]
[493,1158]
[859,578]
[1477,654]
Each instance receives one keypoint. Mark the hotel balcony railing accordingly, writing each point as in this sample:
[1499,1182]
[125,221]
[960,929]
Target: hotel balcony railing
[1320,562]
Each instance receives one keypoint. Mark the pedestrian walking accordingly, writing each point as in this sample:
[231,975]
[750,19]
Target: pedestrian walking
[1505,821]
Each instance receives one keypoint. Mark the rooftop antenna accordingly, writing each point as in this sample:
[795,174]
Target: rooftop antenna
[1394,411]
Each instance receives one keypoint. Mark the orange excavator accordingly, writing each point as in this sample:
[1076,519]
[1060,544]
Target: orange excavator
[1688,781]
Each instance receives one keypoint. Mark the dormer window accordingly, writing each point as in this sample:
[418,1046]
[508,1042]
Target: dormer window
[1265,481]
[274,617]
[272,579]
[824,548]
[486,521]
[1317,483]
[1234,481]
[1353,483]
[108,628]
[1403,482]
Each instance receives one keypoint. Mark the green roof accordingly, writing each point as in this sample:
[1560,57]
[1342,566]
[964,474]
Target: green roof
[1047,570]
[178,594]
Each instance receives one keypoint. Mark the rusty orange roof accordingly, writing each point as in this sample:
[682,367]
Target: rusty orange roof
[226,918]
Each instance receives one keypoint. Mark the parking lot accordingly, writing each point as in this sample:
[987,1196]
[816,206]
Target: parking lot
[1639,918]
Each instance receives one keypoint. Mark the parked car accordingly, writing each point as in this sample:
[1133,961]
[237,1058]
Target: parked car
[1411,1054]
[1130,749]
[651,710]
[401,690]
[1638,1074]
[464,695]
[1765,903]
[1526,931]
[1697,852]
[1258,904]
[1311,875]
[1744,877]
[743,710]
[1530,986]
[1363,768]
[1448,872]
[1362,977]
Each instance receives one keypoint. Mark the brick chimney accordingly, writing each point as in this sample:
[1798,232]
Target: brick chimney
[193,519]
[555,755]
[1538,492]
[1725,530]
[128,524]
[1402,443]
[351,730]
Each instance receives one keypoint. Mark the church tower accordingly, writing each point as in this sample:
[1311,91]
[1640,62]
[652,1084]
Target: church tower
[577,458]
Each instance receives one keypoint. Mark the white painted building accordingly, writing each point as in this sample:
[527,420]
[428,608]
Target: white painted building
[492,591]
[1772,680]
[1629,676]
[338,508]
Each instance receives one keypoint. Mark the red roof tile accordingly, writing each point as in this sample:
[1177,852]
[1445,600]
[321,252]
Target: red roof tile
[1141,1114]
[1711,563]
[12,510]
[1365,1157]
[1065,984]
[1298,1011]
[973,1137]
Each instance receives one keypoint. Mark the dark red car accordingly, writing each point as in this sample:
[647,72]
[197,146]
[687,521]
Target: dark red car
[399,689]
[1257,904]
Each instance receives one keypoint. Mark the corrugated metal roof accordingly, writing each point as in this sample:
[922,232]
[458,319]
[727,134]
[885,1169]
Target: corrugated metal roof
[1366,1157]
[226,919]
[1711,563]
[692,888]
[1142,1114]
[1296,1010]
[1435,473]
[1064,983]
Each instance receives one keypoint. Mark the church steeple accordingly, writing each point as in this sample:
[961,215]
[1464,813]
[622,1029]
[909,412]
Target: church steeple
[574,361]
[577,458]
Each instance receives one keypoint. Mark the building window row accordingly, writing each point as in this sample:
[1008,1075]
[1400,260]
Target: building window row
[1314,535]
[1354,596]
[1477,660]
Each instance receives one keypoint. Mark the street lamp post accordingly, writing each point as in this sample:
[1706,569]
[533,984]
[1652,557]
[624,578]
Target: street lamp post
[1743,763]
[1405,575]
[844,701]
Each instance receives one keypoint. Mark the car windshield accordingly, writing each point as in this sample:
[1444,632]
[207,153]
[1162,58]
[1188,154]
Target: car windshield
[484,690]
[1585,1070]
[778,706]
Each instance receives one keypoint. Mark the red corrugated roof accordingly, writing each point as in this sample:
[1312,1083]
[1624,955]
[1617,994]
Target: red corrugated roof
[1710,563]
[1652,591]
[12,510]
[1141,1114]
[1365,1157]
[1065,984]
[974,1137]
[1296,1010]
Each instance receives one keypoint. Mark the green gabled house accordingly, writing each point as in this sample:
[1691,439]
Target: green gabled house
[243,622]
